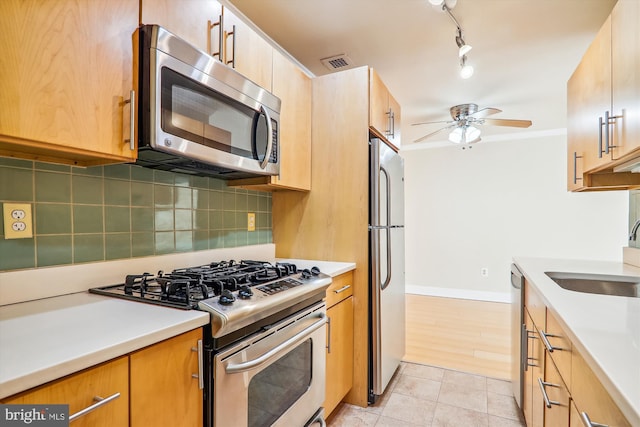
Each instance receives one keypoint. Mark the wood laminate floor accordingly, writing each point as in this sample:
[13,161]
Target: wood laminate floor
[422,395]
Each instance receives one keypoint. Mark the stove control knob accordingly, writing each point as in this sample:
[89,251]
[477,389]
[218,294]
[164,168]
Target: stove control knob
[315,271]
[306,274]
[226,297]
[245,292]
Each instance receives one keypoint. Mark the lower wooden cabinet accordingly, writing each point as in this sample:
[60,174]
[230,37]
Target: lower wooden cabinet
[556,409]
[591,397]
[86,388]
[556,368]
[156,387]
[164,391]
[339,371]
[533,403]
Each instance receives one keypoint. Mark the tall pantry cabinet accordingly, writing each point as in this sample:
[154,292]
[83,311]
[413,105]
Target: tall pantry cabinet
[331,221]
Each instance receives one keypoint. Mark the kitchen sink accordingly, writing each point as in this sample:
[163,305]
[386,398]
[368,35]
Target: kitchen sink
[626,286]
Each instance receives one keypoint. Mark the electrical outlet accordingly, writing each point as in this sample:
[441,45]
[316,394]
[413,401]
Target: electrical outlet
[251,221]
[17,221]
[484,272]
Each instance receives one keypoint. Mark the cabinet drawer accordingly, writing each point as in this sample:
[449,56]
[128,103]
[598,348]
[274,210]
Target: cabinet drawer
[591,397]
[561,346]
[341,288]
[534,303]
[558,395]
[80,391]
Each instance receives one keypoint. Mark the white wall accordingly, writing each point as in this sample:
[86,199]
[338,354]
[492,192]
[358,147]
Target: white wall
[469,209]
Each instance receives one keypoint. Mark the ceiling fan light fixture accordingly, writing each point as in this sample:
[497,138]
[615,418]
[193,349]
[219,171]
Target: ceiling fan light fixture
[464,134]
[455,135]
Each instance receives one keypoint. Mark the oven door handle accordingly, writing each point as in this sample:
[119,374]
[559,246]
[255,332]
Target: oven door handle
[251,364]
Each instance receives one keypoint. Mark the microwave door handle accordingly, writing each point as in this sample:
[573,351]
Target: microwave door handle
[267,154]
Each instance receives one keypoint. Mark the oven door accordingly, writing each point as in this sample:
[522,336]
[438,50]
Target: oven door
[275,378]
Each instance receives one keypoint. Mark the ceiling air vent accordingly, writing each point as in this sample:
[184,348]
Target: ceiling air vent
[338,62]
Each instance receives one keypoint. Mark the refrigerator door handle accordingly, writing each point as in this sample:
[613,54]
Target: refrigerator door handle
[387,280]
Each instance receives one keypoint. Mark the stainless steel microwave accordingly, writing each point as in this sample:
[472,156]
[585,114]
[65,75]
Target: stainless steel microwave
[198,116]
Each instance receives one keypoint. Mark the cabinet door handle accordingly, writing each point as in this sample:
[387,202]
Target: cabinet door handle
[575,168]
[606,132]
[132,118]
[588,423]
[391,123]
[342,289]
[524,348]
[100,401]
[232,33]
[210,26]
[546,342]
[600,124]
[200,374]
[328,335]
[548,403]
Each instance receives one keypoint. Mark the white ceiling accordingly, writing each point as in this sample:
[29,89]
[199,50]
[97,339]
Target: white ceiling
[523,53]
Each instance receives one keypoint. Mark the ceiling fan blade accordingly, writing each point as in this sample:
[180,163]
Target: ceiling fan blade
[428,123]
[508,122]
[433,133]
[489,111]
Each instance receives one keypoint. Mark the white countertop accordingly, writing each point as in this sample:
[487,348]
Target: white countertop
[49,338]
[605,329]
[46,339]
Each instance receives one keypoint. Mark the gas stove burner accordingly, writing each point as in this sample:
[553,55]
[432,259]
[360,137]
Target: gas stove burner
[231,284]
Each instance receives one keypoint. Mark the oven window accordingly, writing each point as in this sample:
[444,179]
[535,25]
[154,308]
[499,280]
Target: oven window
[199,114]
[276,388]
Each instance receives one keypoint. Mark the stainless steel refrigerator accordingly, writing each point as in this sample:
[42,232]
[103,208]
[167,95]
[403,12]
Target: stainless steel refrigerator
[386,265]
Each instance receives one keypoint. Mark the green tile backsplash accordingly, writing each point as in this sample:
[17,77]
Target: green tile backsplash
[122,211]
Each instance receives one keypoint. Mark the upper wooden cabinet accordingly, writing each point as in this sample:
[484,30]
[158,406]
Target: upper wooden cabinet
[187,19]
[293,87]
[384,110]
[246,51]
[66,69]
[216,30]
[603,105]
[106,387]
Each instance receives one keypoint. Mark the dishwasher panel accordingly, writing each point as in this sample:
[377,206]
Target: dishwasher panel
[517,336]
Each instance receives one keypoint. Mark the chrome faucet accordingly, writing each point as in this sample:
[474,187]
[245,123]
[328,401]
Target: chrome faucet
[634,230]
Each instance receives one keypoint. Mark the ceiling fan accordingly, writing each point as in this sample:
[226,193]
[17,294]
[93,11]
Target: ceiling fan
[466,118]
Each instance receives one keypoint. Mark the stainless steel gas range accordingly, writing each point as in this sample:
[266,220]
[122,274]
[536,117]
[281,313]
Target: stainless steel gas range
[264,349]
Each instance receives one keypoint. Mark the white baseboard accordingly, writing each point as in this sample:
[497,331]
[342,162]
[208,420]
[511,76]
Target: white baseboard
[433,291]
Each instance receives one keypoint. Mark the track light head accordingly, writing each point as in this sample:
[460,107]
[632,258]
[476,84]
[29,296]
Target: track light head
[466,70]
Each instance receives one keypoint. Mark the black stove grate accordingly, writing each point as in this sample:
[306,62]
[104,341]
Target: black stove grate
[184,287]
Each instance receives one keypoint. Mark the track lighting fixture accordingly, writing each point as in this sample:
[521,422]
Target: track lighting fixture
[466,70]
[463,47]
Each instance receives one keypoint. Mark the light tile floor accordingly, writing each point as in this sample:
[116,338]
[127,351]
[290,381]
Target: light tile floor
[420,395]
